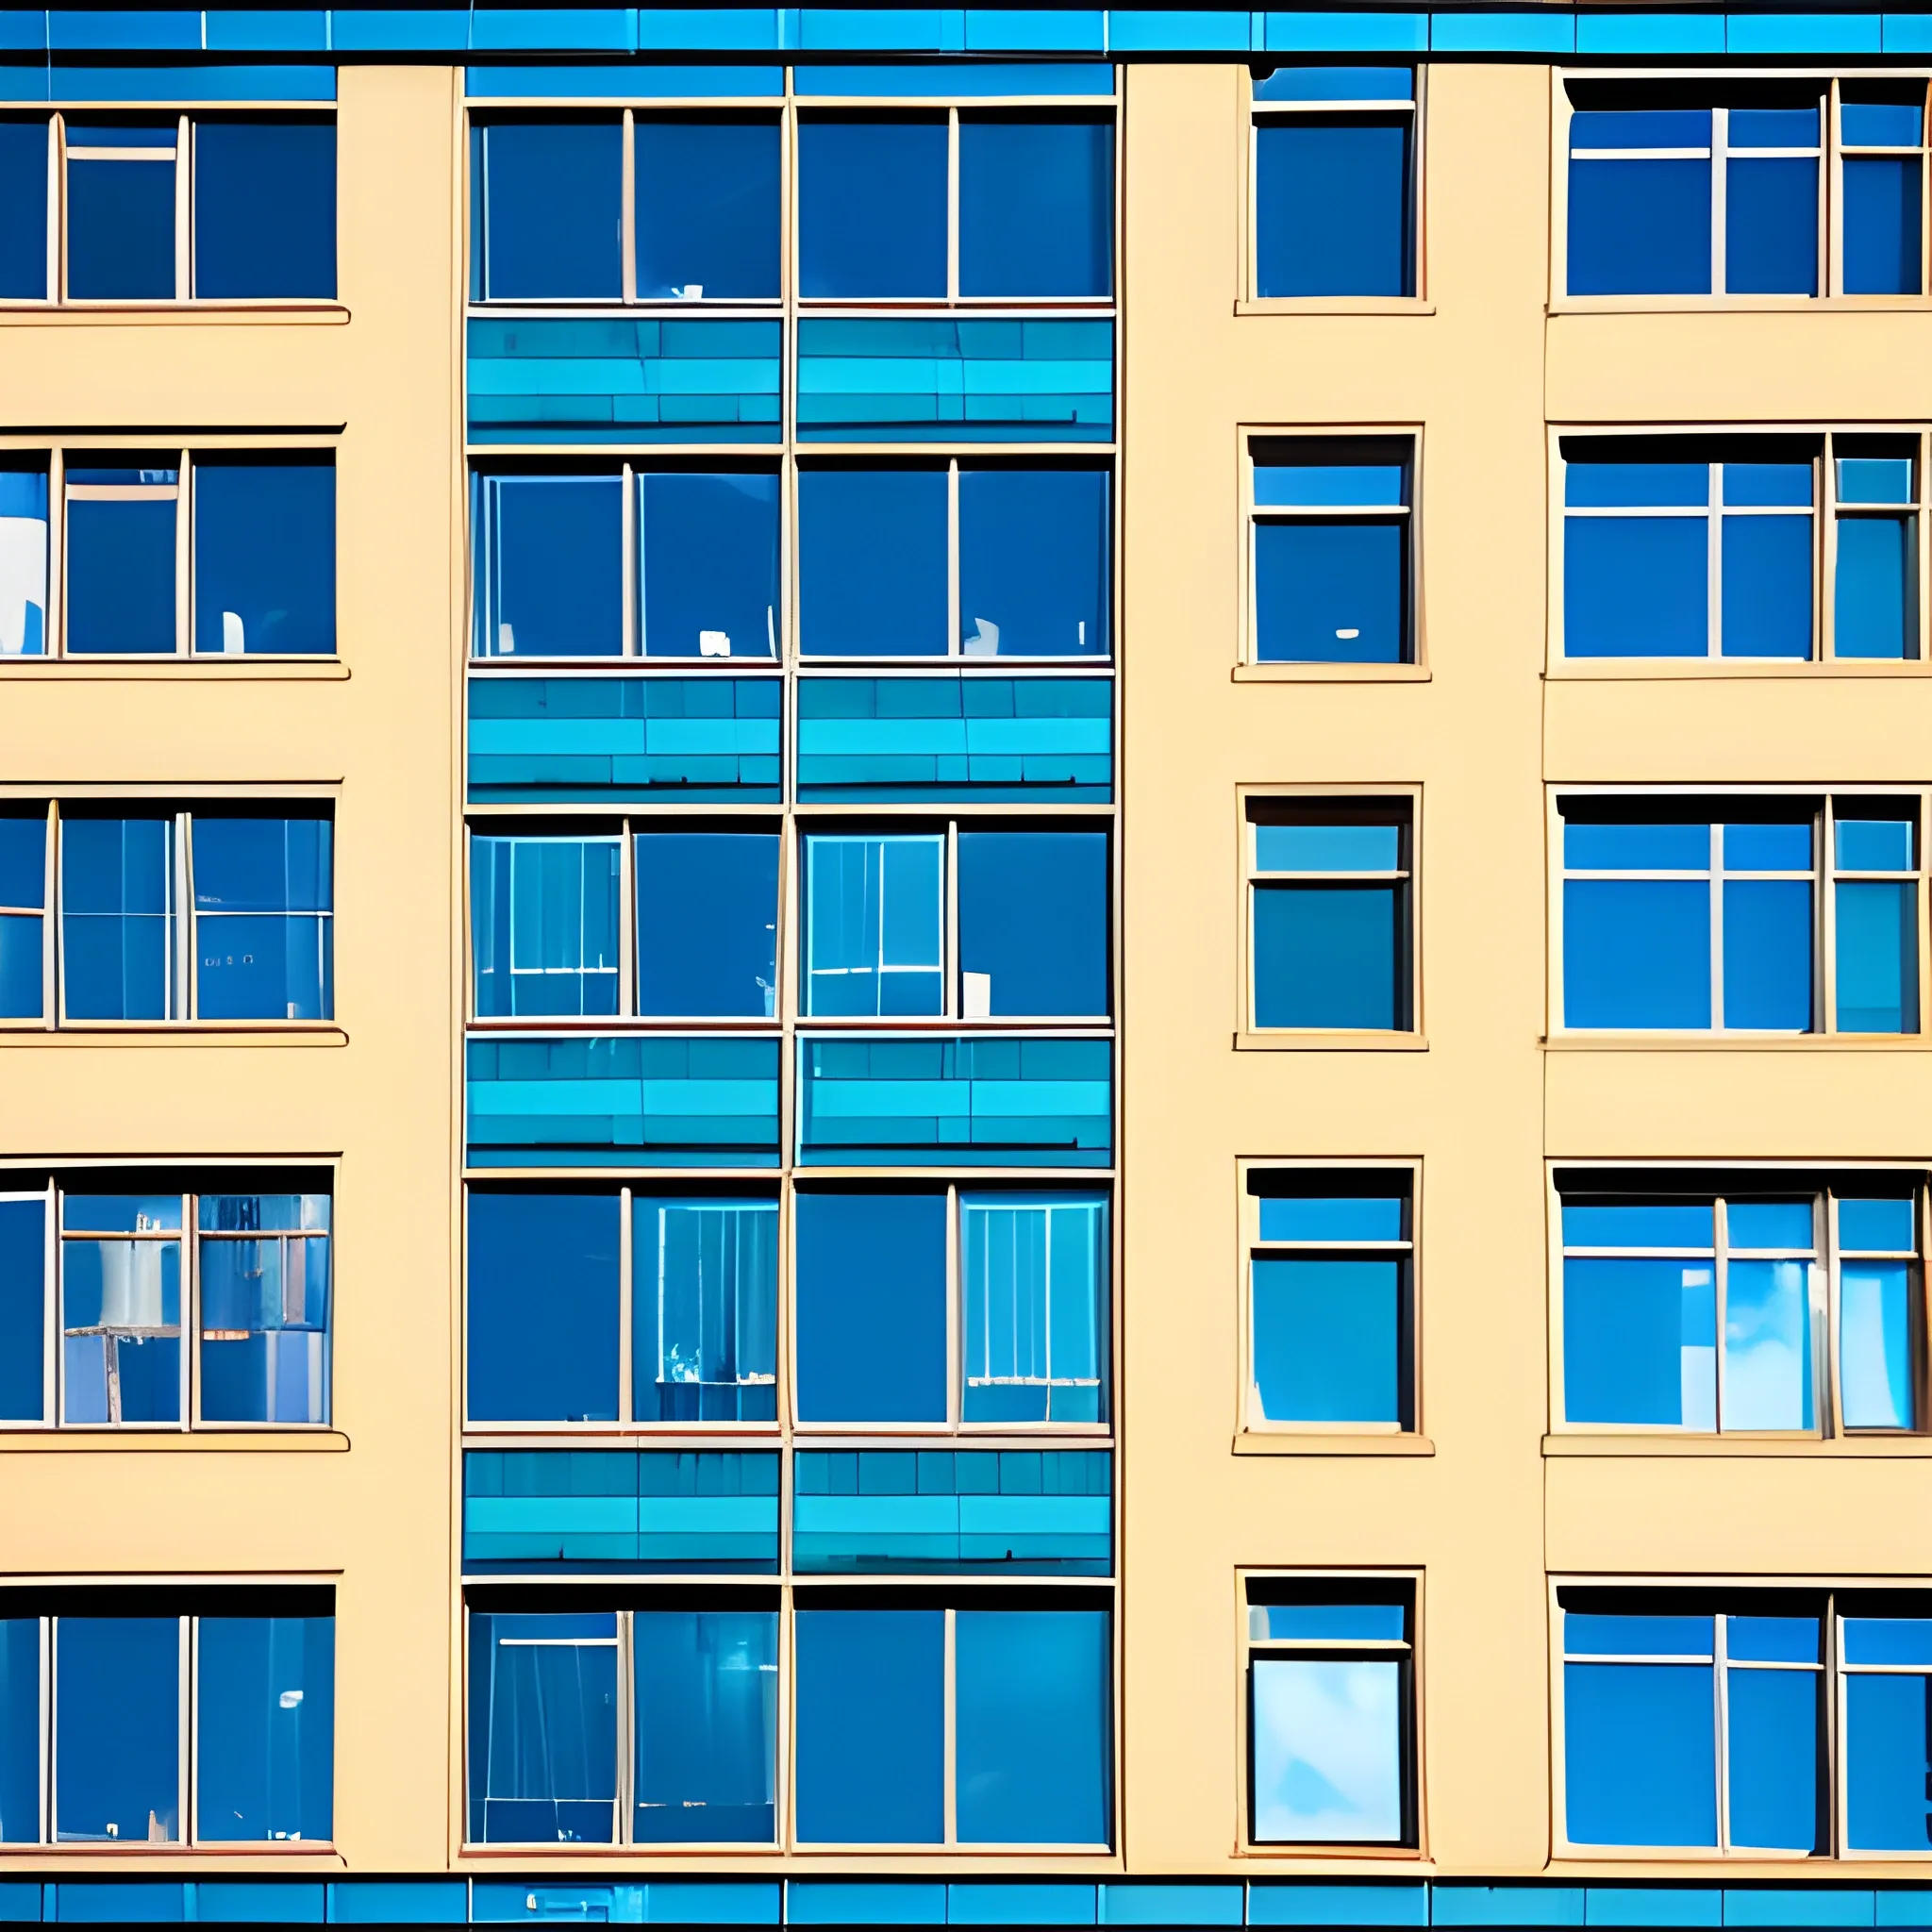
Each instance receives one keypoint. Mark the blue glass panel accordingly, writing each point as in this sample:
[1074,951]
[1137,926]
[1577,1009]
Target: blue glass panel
[1593,485]
[871,1717]
[709,564]
[20,1730]
[1771,1640]
[1767,846]
[1883,1226]
[872,1308]
[706,1687]
[1877,958]
[1352,485]
[541,1308]
[543,925]
[707,913]
[117,924]
[1880,124]
[1875,479]
[1640,1754]
[1035,565]
[1639,1343]
[1338,1218]
[1639,227]
[264,1344]
[1328,1341]
[871,562]
[1033,1278]
[23,549]
[1771,223]
[704,1321]
[1033,925]
[1330,956]
[1645,127]
[265,208]
[1660,847]
[264,557]
[257,957]
[1887,1640]
[1330,1622]
[1333,214]
[22,1324]
[1638,586]
[872,215]
[1774,1768]
[121,573]
[121,218]
[553,206]
[1636,953]
[117,1701]
[1773,127]
[1872,844]
[706,207]
[22,883]
[1328,1749]
[1768,955]
[1768,1345]
[1590,1633]
[553,564]
[1768,1224]
[265,1732]
[1337,84]
[1882,246]
[1767,587]
[1875,608]
[1876,1386]
[1036,206]
[1331,593]
[1767,485]
[1033,1693]
[23,209]
[1328,848]
[874,915]
[1888,1759]
[1639,1224]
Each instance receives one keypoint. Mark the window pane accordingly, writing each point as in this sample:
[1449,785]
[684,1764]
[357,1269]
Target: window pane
[1328,1341]
[1033,563]
[875,918]
[707,209]
[264,557]
[1331,593]
[1635,1634]
[1875,1340]
[1881,240]
[1636,953]
[117,1704]
[544,919]
[1033,925]
[1639,1224]
[23,545]
[1638,586]
[23,209]
[1333,1218]
[265,1690]
[1768,1224]
[265,208]
[707,1726]
[22,1323]
[542,1307]
[871,1715]
[1639,1343]
[261,952]
[1872,844]
[121,573]
[1657,847]
[553,564]
[1887,1640]
[1888,1750]
[1768,1349]
[710,585]
[872,207]
[1881,1227]
[1770,227]
[553,198]
[1032,1695]
[1767,587]
[1036,206]
[1640,1754]
[707,924]
[705,1326]
[1328,848]
[121,217]
[1332,206]
[121,1328]
[117,926]
[1768,953]
[1877,958]
[1330,955]
[20,1730]
[1638,227]
[1328,1750]
[873,562]
[1876,608]
[872,1308]
[1774,1760]
[1033,1277]
[264,1352]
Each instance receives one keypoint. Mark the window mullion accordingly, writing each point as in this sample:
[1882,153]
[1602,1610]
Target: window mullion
[184,554]
[1826,551]
[1717,929]
[627,920]
[1714,563]
[1719,186]
[189,1398]
[57,207]
[632,550]
[952,1727]
[186,1002]
[184,267]
[1721,1700]
[55,621]
[626,1725]
[627,219]
[1824,922]
[957,1366]
[955,612]
[626,1310]
[51,989]
[187,1640]
[1720,1284]
[952,204]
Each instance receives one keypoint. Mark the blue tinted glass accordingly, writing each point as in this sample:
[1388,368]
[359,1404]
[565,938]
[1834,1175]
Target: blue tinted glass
[1767,587]
[1875,479]
[1337,84]
[1773,485]
[1328,1341]
[1330,956]
[1590,847]
[120,224]
[264,557]
[1592,1633]
[1036,206]
[1639,1224]
[117,926]
[23,547]
[1772,1641]
[1876,124]
[1771,224]
[1645,127]
[872,1308]
[264,1349]
[1330,1622]
[1773,1758]
[22,966]
[1874,844]
[265,208]
[1882,247]
[706,1687]
[1329,1752]
[1877,956]
[1767,847]
[543,925]
[871,562]
[1591,484]
[1768,955]
[704,1321]
[1877,564]
[1768,1224]
[1773,127]
[1878,1227]
[259,967]
[1768,1345]
[1877,1389]
[1640,1754]
[541,1308]
[22,1328]
[263,967]
[1636,953]
[1033,1278]
[871,1716]
[873,919]
[709,565]
[872,207]
[1034,566]
[20,1730]
[23,209]
[1888,1640]
[708,919]
[1639,227]
[1887,1749]
[1639,1343]
[24,859]
[1348,484]
[1033,923]
[1033,1694]
[265,1733]
[1636,587]
[1333,1218]
[1332,206]
[117,1692]
[707,209]
[1331,593]
[552,199]
[553,562]
[121,575]
[1328,848]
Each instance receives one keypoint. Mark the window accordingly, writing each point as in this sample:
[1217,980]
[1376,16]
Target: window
[1329,915]
[1330,1665]
[1882,163]
[214,1726]
[1792,915]
[164,207]
[956,205]
[1026,912]
[616,562]
[1814,1291]
[550,937]
[876,1274]
[1331,1299]
[1332,549]
[619,1304]
[955,558]
[103,1272]
[1335,181]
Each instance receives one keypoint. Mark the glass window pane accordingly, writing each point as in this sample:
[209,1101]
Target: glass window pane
[1639,1224]
[23,1319]
[1768,955]
[1638,586]
[1767,485]
[265,208]
[1773,1762]
[1878,1227]
[1329,1341]
[1345,485]
[705,1323]
[871,217]
[262,952]
[1767,586]
[1034,563]
[1033,925]
[1881,124]
[1033,1692]
[1334,1218]
[1773,127]
[23,209]
[121,573]
[871,1716]
[117,926]
[1767,847]
[1332,210]
[121,216]
[1771,226]
[1331,593]
[871,562]
[1882,246]
[264,1347]
[117,1730]
[1033,1279]
[1640,1754]
[1768,1224]
[872,1308]
[23,544]
[1636,953]
[1640,128]
[1877,1388]
[264,557]
[1887,1640]
[553,197]
[1327,1743]
[544,919]
[1875,479]
[1609,1633]
[541,1308]
[1639,1343]
[1887,1749]
[1036,206]
[707,924]
[707,1726]
[1336,84]
[121,1330]
[20,1730]
[1877,958]
[265,1733]
[874,922]
[1595,483]
[706,207]
[1385,1622]
[1768,1348]
[1875,603]
[1328,848]
[1771,1640]
[1657,847]
[709,564]
[1872,844]
[552,566]
[1639,227]
[1330,956]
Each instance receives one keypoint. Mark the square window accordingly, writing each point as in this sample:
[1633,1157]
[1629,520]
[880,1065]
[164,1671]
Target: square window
[872,206]
[547,210]
[708,207]
[265,208]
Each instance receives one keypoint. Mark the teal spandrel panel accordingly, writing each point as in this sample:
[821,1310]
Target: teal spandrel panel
[1019,30]
[602,1101]
[22,32]
[114,30]
[630,80]
[881,29]
[1537,31]
[966,736]
[1203,1902]
[697,740]
[1346,33]
[1676,1906]
[984,1102]
[1802,33]
[901,379]
[1811,1904]
[406,30]
[1155,32]
[266,30]
[1015,1901]
[1506,1904]
[1650,33]
[713,30]
[563,29]
[955,80]
[201,81]
[592,380]
[865,1902]
[1907,33]
[1309,1902]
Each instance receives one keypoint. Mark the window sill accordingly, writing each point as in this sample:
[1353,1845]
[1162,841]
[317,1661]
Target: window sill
[74,1857]
[175,1033]
[1740,305]
[237,1437]
[1856,1448]
[1286,1041]
[1641,670]
[1331,674]
[1334,305]
[1337,1860]
[103,670]
[1722,1042]
[85,314]
[1289,1443]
